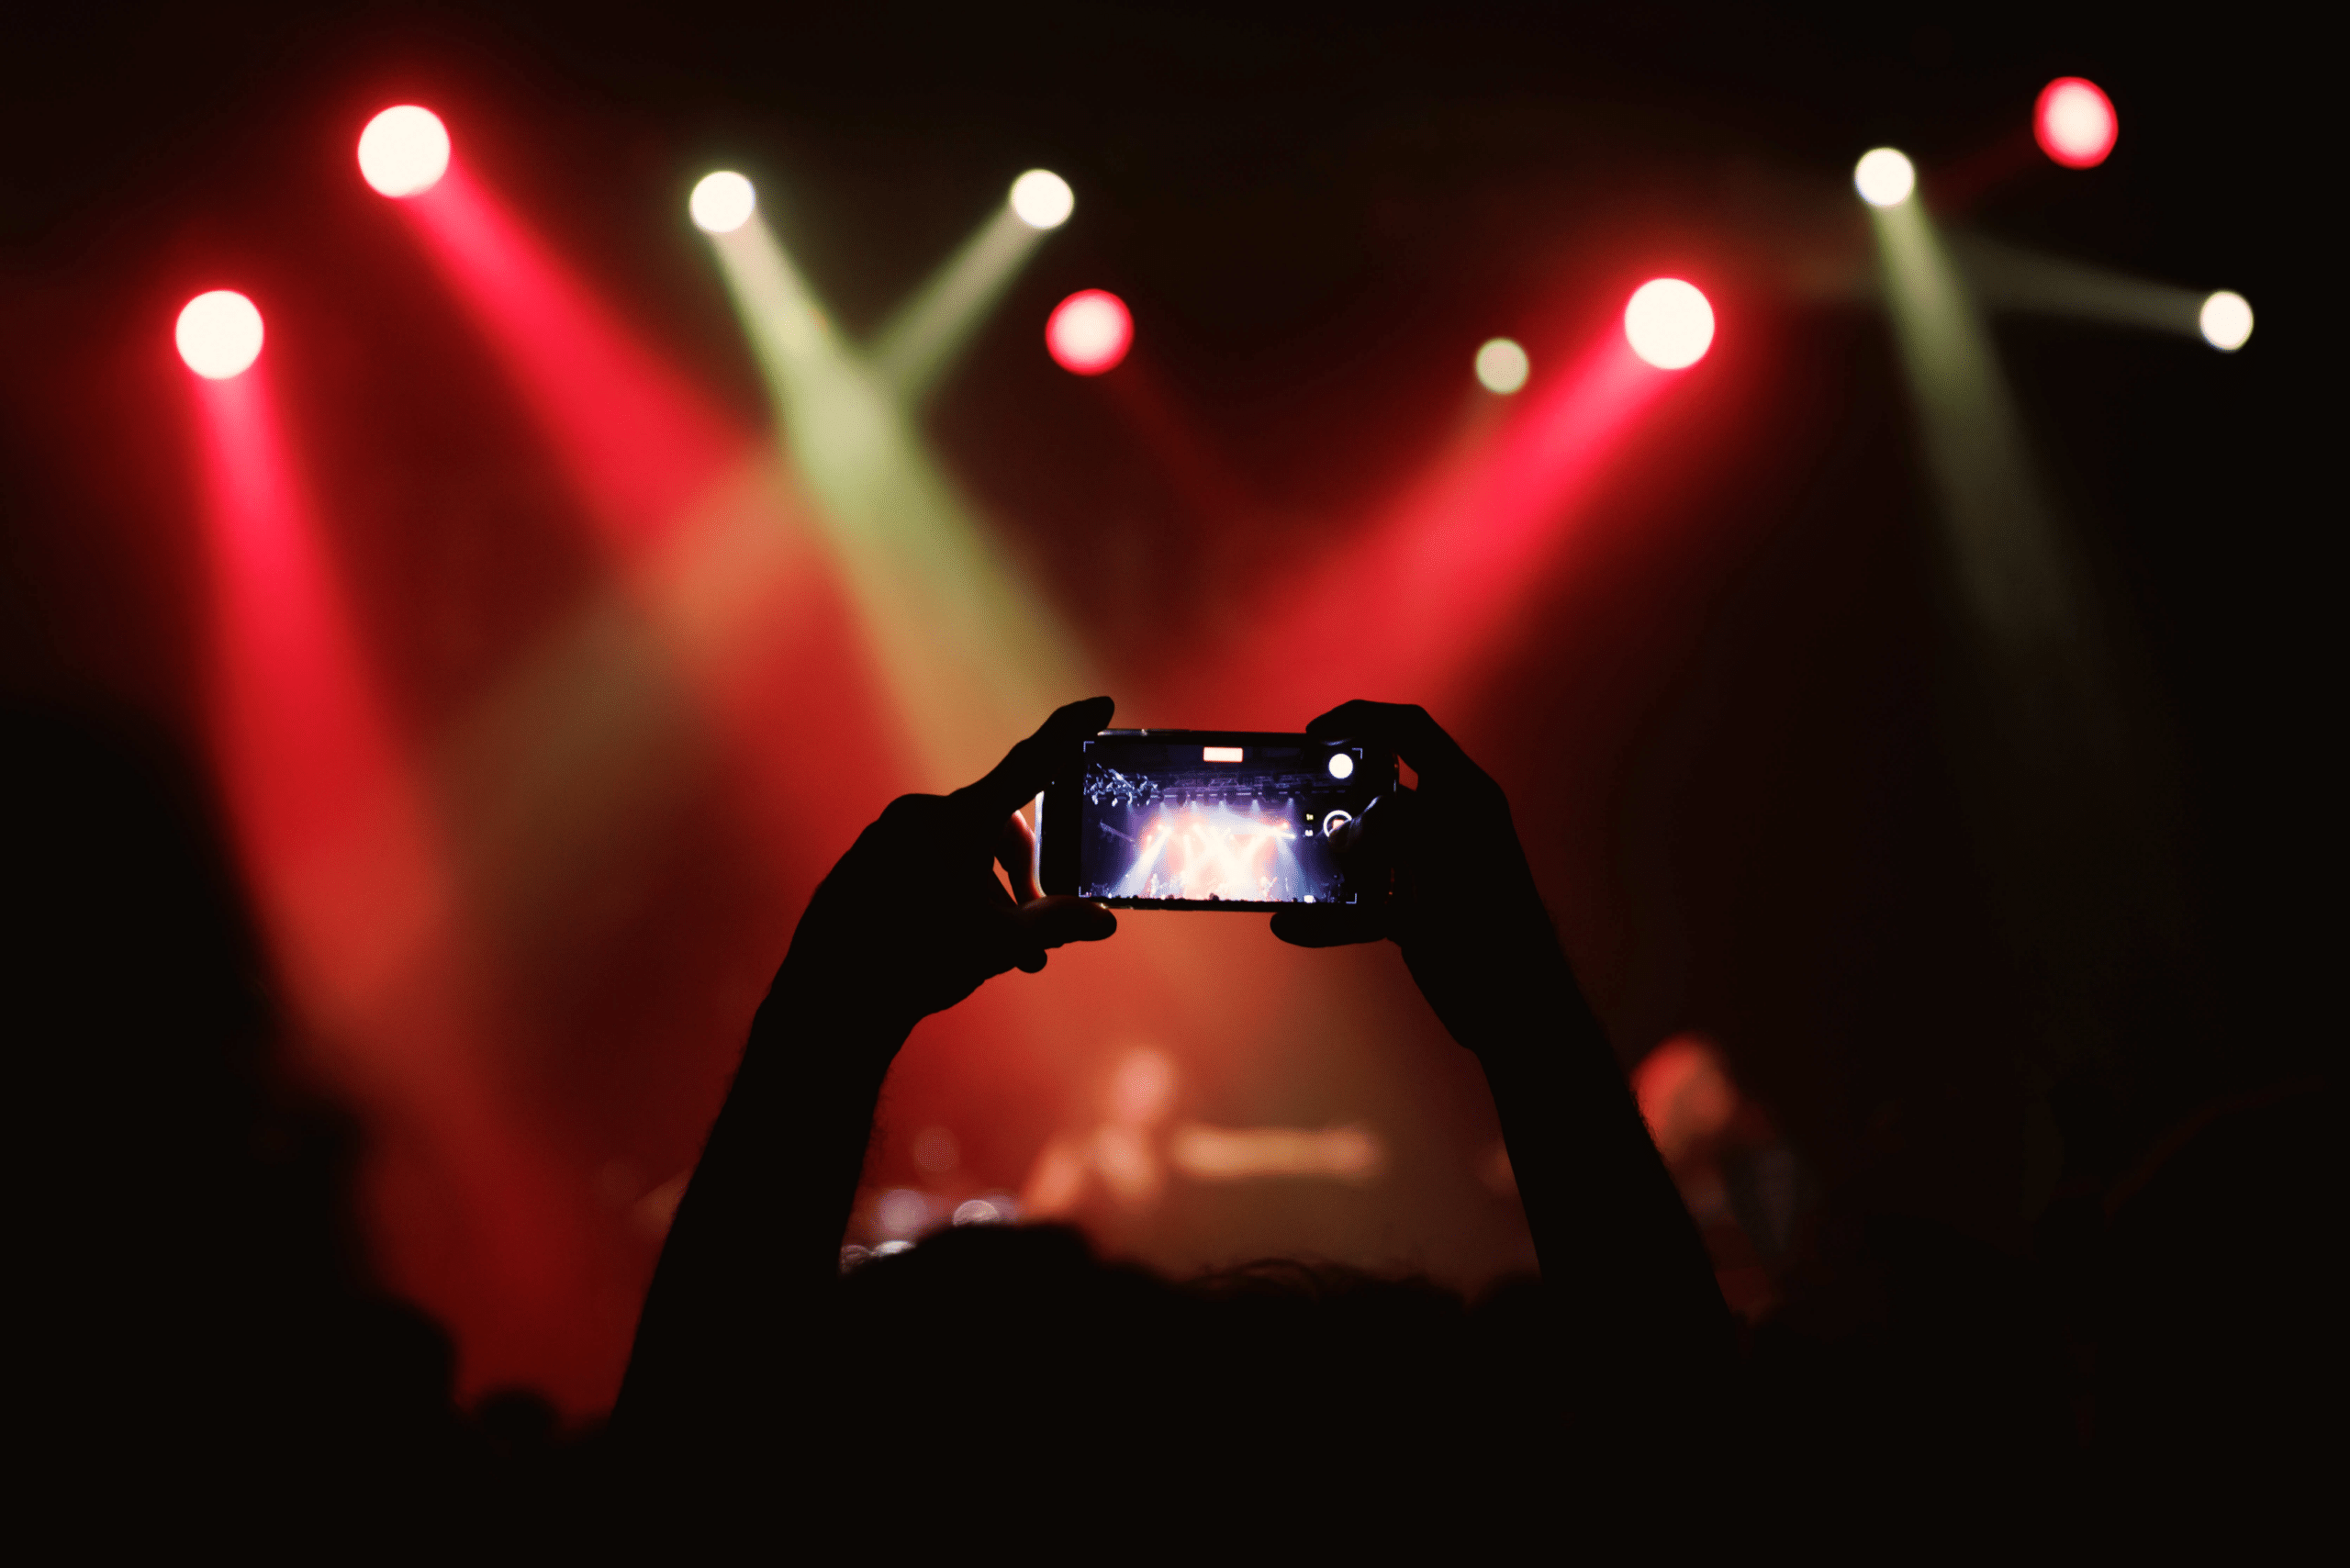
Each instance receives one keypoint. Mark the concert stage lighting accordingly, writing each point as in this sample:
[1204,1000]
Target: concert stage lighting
[1043,199]
[2226,321]
[1502,366]
[957,636]
[1885,177]
[1669,324]
[404,150]
[219,334]
[2075,122]
[722,202]
[1090,332]
[914,349]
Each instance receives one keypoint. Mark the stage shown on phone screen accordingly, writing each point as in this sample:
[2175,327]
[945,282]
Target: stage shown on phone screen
[1183,821]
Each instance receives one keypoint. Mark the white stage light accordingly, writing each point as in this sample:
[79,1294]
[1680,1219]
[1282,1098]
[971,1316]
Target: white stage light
[1669,323]
[404,150]
[1502,366]
[1043,199]
[219,334]
[722,202]
[2226,321]
[1885,177]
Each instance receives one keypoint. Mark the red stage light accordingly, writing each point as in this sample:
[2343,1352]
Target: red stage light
[1669,323]
[2075,122]
[404,150]
[1090,332]
[218,334]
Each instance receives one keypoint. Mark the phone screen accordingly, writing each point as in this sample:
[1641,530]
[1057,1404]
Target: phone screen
[1201,819]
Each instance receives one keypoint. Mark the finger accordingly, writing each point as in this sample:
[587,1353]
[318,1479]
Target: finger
[1381,840]
[1333,927]
[1051,753]
[1403,728]
[1016,851]
[1006,942]
[1058,920]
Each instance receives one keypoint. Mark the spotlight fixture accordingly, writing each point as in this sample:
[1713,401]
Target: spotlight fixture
[1090,332]
[722,202]
[404,150]
[1042,199]
[1502,366]
[2075,123]
[2226,321]
[1885,177]
[219,334]
[1669,323]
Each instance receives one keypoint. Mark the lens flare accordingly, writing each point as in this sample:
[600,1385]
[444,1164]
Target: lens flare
[1885,177]
[1502,366]
[722,202]
[1669,323]
[219,334]
[2075,122]
[2226,321]
[404,150]
[1043,199]
[1090,332]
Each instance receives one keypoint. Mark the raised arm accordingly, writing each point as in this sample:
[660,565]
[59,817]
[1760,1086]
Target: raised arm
[910,922]
[1621,1260]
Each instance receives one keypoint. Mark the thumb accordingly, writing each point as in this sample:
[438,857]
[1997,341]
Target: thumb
[1063,918]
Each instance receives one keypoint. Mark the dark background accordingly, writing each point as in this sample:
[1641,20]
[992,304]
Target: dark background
[1732,761]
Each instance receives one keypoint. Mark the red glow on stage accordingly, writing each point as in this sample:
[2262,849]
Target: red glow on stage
[696,519]
[645,443]
[1418,600]
[354,889]
[303,733]
[2075,123]
[1090,332]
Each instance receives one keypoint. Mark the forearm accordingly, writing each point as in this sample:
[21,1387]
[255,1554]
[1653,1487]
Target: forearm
[1618,1247]
[755,1244]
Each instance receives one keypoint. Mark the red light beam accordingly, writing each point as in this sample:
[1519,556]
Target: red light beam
[348,872]
[1419,600]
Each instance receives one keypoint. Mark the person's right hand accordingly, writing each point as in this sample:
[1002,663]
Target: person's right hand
[1464,909]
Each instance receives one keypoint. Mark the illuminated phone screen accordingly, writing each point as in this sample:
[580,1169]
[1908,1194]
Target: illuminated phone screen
[1196,819]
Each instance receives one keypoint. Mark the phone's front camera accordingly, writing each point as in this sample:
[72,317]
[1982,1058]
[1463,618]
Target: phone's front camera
[1341,765]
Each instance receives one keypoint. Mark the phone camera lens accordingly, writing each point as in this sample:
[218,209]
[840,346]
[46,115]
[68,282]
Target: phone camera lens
[1341,765]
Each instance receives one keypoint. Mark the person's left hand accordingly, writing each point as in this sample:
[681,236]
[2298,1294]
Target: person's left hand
[913,918]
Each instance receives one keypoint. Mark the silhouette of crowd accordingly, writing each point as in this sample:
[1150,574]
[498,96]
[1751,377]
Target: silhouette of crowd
[200,1345]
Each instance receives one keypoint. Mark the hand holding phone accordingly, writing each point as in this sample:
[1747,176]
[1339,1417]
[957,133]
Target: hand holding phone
[1464,907]
[913,919]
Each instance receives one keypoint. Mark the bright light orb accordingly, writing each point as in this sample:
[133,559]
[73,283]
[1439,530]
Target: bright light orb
[1042,199]
[1502,366]
[2226,321]
[2075,122]
[404,150]
[1669,323]
[1885,177]
[1341,766]
[722,202]
[219,334]
[1090,332]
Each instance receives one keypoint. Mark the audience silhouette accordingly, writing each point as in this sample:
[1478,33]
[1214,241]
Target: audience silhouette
[200,1346]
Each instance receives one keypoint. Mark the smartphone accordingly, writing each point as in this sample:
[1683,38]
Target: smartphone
[1208,819]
